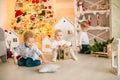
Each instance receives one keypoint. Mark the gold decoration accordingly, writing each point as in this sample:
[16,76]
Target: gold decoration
[36,18]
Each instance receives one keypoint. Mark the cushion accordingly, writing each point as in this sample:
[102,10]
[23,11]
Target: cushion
[49,68]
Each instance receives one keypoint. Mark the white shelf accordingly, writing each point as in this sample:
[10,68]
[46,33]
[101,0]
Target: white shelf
[96,28]
[96,11]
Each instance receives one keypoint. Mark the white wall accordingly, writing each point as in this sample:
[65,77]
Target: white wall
[3,13]
[115,6]
[6,12]
[65,8]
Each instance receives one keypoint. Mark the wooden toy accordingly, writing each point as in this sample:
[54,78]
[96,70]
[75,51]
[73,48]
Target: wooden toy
[64,53]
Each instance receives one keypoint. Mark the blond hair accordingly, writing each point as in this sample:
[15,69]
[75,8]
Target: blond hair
[28,34]
[57,31]
[84,24]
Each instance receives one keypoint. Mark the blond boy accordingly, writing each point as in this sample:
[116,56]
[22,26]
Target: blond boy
[29,52]
[84,40]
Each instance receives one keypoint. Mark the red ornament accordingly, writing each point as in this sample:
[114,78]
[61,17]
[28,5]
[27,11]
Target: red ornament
[49,35]
[6,30]
[18,13]
[33,1]
[89,22]
[44,0]
[32,18]
[51,15]
[14,27]
[37,1]
[49,7]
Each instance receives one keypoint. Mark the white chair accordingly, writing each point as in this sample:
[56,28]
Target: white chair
[3,49]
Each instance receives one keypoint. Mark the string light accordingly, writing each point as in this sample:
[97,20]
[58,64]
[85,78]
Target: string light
[34,15]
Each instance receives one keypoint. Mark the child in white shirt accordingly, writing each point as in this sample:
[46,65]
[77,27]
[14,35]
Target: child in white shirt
[29,52]
[84,40]
[60,42]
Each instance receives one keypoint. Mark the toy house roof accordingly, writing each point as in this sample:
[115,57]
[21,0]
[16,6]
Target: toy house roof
[14,33]
[66,26]
[63,20]
[46,38]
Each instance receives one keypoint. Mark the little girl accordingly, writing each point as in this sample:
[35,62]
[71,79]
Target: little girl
[29,52]
[59,41]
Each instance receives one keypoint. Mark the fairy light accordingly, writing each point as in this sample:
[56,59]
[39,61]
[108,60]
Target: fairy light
[34,15]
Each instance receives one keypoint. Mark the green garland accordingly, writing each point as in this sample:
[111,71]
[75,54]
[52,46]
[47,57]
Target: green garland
[99,46]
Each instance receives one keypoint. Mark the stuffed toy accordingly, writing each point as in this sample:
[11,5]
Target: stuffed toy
[49,68]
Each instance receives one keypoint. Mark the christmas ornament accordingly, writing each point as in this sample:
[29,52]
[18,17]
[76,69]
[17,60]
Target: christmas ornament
[18,13]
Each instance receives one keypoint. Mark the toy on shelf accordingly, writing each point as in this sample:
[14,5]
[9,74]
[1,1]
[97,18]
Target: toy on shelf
[89,20]
[98,19]
[104,5]
[80,6]
[98,5]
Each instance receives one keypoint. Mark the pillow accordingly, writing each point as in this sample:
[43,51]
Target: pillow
[49,68]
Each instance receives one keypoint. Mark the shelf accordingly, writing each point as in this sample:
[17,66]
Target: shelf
[97,14]
[96,11]
[96,28]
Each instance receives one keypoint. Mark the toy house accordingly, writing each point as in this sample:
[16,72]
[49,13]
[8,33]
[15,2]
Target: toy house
[67,27]
[64,53]
[46,44]
[12,39]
